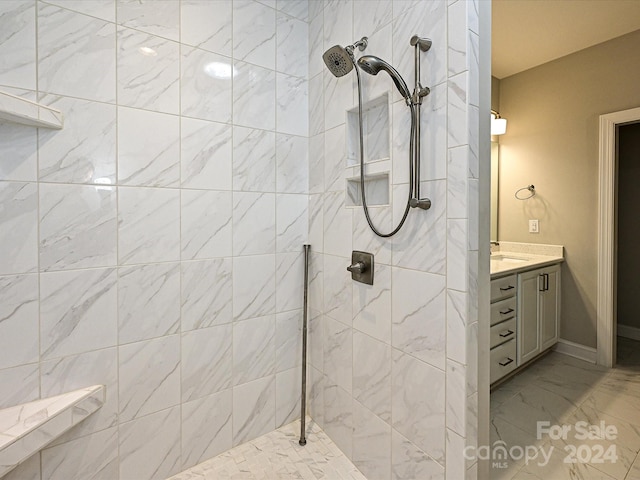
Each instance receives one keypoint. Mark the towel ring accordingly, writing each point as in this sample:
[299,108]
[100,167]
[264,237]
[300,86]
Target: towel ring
[530,188]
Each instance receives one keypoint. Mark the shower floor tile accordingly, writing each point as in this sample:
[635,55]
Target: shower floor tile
[277,455]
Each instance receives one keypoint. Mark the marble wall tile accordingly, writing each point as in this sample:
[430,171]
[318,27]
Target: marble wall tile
[296,8]
[205,155]
[149,376]
[254,349]
[78,311]
[372,374]
[18,145]
[254,229]
[104,9]
[28,470]
[292,164]
[371,17]
[408,461]
[337,289]
[372,305]
[456,326]
[289,281]
[288,340]
[338,98]
[148,148]
[205,85]
[206,361]
[315,395]
[84,151]
[254,96]
[77,226]
[150,446]
[337,225]
[457,119]
[456,411]
[148,71]
[19,232]
[157,18]
[288,396]
[457,37]
[458,169]
[420,418]
[18,44]
[254,406]
[19,330]
[316,164]
[338,416]
[20,384]
[292,105]
[253,286]
[206,293]
[93,456]
[316,42]
[335,159]
[206,428]
[148,301]
[338,353]
[254,160]
[76,54]
[207,25]
[316,232]
[292,40]
[457,254]
[371,439]
[205,224]
[364,239]
[316,104]
[254,33]
[338,22]
[148,225]
[291,222]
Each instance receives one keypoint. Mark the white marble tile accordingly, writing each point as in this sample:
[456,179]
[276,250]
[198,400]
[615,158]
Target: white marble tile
[292,164]
[254,286]
[148,148]
[254,33]
[456,325]
[206,428]
[76,54]
[205,85]
[335,159]
[20,384]
[207,25]
[458,171]
[457,37]
[150,446]
[99,367]
[18,44]
[372,305]
[206,361]
[157,18]
[418,315]
[364,238]
[292,37]
[206,293]
[316,42]
[338,416]
[289,281]
[289,340]
[288,396]
[254,349]
[316,104]
[19,227]
[148,225]
[456,392]
[292,113]
[18,145]
[254,407]
[149,376]
[84,151]
[104,9]
[338,98]
[315,395]
[338,21]
[295,8]
[254,229]
[371,440]
[78,311]
[458,118]
[93,456]
[148,301]
[337,289]
[205,155]
[254,160]
[19,329]
[372,374]
[27,470]
[316,232]
[420,418]
[148,71]
[457,271]
[337,225]
[292,222]
[371,17]
[408,461]
[254,96]
[338,353]
[205,224]
[316,341]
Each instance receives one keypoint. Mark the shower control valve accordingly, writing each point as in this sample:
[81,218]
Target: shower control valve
[361,267]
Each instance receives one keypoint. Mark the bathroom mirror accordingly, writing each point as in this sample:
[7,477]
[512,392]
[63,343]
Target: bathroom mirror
[495,164]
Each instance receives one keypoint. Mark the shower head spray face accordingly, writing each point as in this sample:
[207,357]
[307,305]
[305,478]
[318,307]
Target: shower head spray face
[338,61]
[372,65]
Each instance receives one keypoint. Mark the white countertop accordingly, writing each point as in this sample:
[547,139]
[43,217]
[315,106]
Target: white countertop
[509,257]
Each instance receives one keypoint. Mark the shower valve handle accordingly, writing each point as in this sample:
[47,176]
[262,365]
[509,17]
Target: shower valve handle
[357,267]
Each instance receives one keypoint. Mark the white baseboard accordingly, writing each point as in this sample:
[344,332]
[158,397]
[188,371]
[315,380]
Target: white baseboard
[588,354]
[628,332]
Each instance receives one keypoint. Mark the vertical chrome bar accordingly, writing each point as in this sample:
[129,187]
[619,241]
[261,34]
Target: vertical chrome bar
[418,104]
[303,395]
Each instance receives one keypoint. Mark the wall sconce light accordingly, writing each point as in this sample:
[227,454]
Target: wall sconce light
[498,124]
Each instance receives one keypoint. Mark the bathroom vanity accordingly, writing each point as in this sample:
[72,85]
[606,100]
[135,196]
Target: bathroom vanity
[525,304]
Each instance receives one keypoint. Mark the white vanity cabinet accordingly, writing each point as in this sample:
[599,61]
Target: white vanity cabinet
[502,336]
[538,311]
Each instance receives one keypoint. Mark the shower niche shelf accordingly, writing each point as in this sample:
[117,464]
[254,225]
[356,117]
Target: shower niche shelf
[376,131]
[18,110]
[376,190]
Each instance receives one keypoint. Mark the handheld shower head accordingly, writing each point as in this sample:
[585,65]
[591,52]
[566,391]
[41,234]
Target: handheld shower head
[338,60]
[372,65]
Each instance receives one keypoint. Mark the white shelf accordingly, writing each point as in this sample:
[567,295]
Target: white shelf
[25,112]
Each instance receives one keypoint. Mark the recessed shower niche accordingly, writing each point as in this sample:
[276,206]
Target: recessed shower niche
[376,138]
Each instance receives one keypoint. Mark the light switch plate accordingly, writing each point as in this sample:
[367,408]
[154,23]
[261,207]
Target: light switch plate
[534,227]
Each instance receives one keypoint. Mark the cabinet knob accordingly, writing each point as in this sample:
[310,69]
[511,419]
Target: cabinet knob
[506,362]
[506,333]
[506,312]
[504,289]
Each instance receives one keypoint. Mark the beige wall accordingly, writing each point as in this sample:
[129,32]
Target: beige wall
[552,142]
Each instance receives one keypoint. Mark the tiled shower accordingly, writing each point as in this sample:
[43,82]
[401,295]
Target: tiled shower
[154,244]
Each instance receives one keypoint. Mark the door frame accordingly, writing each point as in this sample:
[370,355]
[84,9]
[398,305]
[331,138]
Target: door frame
[607,219]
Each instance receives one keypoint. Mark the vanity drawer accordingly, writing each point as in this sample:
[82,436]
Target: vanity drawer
[503,332]
[503,360]
[503,310]
[503,287]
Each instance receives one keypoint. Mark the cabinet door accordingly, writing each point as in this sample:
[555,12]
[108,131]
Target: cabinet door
[550,307]
[528,326]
